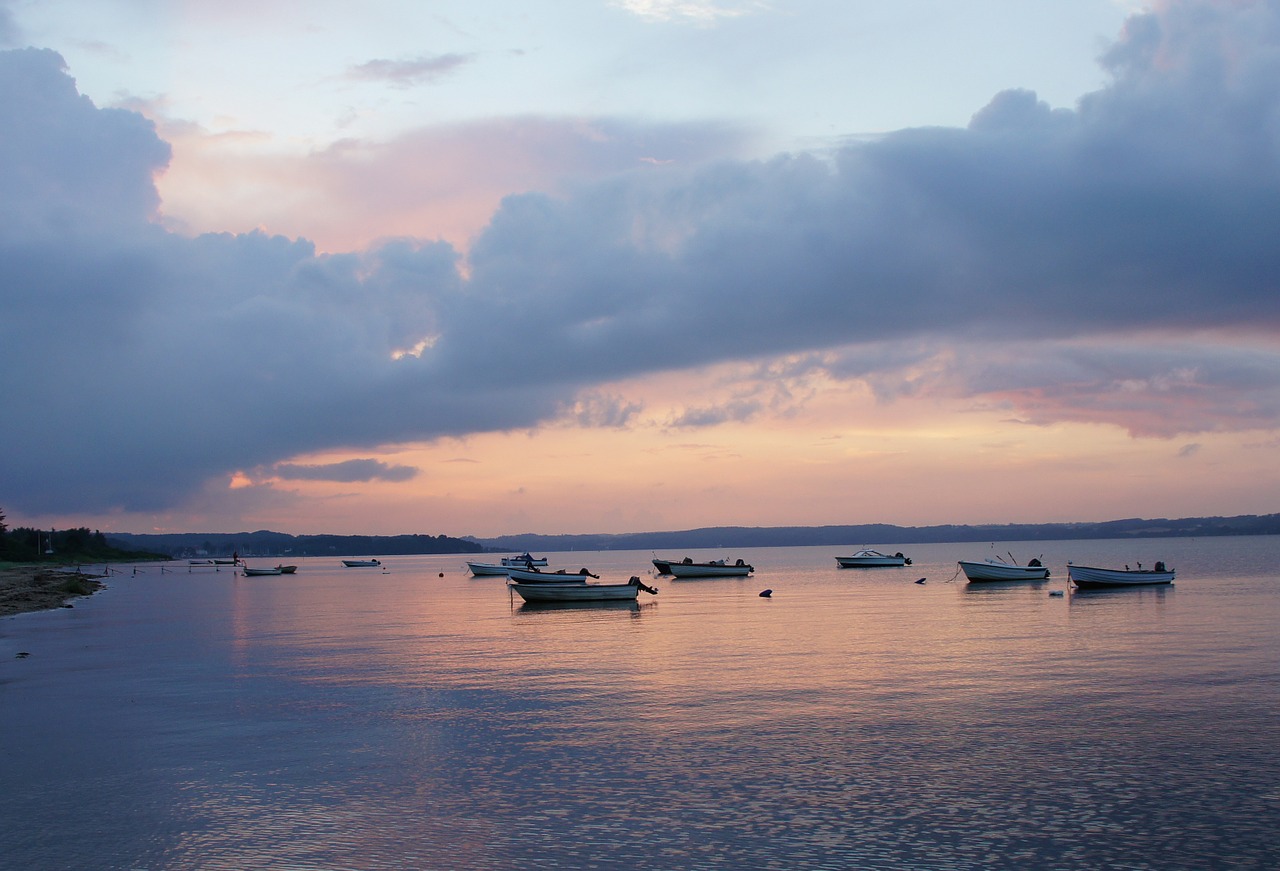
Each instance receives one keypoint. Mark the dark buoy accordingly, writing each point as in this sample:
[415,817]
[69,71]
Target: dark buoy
[921,581]
[764,594]
[442,574]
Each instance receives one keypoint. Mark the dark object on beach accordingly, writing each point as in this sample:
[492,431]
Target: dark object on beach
[921,581]
[764,594]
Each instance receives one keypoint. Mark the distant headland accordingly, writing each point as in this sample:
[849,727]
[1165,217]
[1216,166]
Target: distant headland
[276,543]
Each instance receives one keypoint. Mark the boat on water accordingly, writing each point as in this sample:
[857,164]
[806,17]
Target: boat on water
[360,563]
[998,570]
[663,565]
[559,576]
[524,559]
[250,572]
[287,570]
[1092,576]
[866,559]
[713,569]
[581,592]
[486,569]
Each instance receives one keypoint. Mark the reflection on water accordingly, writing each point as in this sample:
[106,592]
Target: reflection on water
[852,720]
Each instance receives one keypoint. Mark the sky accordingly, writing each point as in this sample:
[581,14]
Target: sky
[486,268]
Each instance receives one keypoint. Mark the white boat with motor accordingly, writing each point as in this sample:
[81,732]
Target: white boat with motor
[582,592]
[559,576]
[866,558]
[524,559]
[1091,576]
[713,569]
[360,563]
[999,570]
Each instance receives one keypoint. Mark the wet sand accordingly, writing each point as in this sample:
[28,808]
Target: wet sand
[38,588]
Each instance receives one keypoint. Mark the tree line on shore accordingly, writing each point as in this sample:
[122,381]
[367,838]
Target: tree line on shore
[79,545]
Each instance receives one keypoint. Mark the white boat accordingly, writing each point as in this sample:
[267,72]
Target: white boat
[865,559]
[1091,576]
[560,576]
[524,559]
[360,563]
[252,572]
[714,569]
[580,592]
[999,570]
[482,569]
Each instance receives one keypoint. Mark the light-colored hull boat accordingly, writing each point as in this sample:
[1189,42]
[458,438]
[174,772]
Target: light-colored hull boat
[867,559]
[998,570]
[250,573]
[361,563]
[486,569]
[523,560]
[560,576]
[581,592]
[1090,576]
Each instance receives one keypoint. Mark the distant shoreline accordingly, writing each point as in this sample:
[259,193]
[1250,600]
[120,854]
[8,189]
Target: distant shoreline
[24,589]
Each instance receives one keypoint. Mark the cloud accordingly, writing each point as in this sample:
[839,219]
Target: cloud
[348,471]
[1113,263]
[406,73]
[696,11]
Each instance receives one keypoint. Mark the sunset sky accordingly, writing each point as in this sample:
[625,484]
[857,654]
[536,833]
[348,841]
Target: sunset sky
[628,265]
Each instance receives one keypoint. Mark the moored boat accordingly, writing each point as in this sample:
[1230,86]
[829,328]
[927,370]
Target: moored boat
[486,569]
[866,558]
[360,563]
[581,592]
[713,569]
[250,572]
[524,559]
[559,576]
[999,570]
[663,565]
[287,570]
[1092,576]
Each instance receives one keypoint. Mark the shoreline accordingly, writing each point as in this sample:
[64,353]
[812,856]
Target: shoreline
[24,589]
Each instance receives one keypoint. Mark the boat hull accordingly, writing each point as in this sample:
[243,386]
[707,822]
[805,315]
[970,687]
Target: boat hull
[872,560]
[707,570]
[576,592]
[361,563]
[487,569]
[524,576]
[663,566]
[997,571]
[1091,576]
[253,573]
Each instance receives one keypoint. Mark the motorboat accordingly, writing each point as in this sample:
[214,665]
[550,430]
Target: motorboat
[581,592]
[865,559]
[486,569]
[713,569]
[559,576]
[360,563]
[524,559]
[1091,576]
[663,565]
[999,570]
[250,572]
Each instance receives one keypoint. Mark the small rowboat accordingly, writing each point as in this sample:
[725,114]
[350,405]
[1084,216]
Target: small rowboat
[1090,576]
[713,569]
[360,563]
[486,569]
[999,570]
[252,572]
[582,592]
[560,576]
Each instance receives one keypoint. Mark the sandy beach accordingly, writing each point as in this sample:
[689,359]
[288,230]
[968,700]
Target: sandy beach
[37,588]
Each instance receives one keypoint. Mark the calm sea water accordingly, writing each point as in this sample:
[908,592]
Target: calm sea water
[419,718]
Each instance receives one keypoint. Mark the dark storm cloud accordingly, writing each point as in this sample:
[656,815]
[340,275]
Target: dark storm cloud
[141,364]
[348,471]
